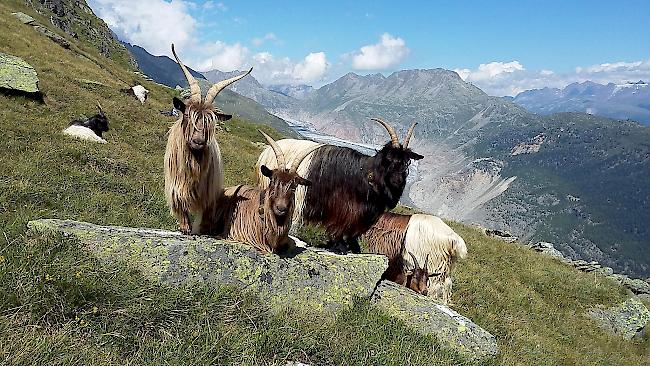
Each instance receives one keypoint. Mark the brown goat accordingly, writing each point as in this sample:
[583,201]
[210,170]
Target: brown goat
[261,217]
[388,237]
[193,167]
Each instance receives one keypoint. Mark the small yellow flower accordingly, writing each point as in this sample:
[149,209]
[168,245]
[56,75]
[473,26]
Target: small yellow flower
[2,259]
[95,310]
[78,274]
[48,278]
[83,323]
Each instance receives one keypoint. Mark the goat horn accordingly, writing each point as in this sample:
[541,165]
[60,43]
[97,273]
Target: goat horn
[218,87]
[100,108]
[415,261]
[301,157]
[408,135]
[195,90]
[279,155]
[426,263]
[391,131]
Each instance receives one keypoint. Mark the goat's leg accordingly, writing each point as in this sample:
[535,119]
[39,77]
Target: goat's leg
[184,224]
[353,245]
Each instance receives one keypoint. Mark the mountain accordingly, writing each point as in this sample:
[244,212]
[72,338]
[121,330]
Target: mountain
[160,68]
[574,179]
[621,101]
[164,70]
[294,91]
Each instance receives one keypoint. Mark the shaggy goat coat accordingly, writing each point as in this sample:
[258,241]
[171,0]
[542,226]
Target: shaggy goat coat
[83,133]
[193,183]
[387,237]
[244,214]
[422,235]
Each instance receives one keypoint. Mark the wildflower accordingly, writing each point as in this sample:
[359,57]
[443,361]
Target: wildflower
[48,278]
[2,259]
[78,274]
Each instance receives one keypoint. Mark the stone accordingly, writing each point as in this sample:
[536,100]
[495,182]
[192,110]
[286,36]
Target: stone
[637,286]
[548,249]
[16,74]
[51,35]
[627,320]
[503,235]
[430,317]
[26,19]
[311,279]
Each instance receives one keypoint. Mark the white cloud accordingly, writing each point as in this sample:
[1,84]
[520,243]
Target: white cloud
[152,24]
[511,78]
[267,37]
[389,52]
[223,57]
[311,69]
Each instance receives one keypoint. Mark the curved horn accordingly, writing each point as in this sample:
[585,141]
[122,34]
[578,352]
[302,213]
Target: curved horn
[218,87]
[279,155]
[301,157]
[195,90]
[415,261]
[390,129]
[426,263]
[100,108]
[408,135]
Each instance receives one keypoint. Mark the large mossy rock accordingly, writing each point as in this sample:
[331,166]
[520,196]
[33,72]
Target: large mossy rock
[429,317]
[310,278]
[315,279]
[627,319]
[17,75]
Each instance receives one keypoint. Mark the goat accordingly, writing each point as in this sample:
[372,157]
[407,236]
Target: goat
[350,190]
[387,237]
[193,167]
[90,129]
[426,239]
[138,91]
[256,216]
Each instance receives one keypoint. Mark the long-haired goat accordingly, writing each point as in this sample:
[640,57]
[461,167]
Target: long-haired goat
[350,190]
[90,129]
[193,167]
[419,238]
[256,216]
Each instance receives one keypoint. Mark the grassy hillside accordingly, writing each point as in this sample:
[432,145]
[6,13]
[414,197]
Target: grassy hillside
[60,306]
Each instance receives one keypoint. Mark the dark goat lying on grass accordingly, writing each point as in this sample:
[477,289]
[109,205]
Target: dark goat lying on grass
[350,190]
[89,129]
[256,216]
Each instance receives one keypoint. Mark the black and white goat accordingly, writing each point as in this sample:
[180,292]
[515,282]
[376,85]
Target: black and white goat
[89,129]
[349,190]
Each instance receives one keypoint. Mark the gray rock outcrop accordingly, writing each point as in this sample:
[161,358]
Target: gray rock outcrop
[308,278]
[628,319]
[17,75]
[430,317]
[26,19]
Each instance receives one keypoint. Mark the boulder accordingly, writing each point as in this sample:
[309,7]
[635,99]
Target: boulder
[626,320]
[26,19]
[17,75]
[548,249]
[51,35]
[307,278]
[311,278]
[430,317]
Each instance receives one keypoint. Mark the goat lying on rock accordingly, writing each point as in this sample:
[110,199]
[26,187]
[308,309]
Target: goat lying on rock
[426,239]
[350,190]
[90,129]
[256,216]
[193,168]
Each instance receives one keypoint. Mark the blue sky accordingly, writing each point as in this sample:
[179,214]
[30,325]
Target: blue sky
[521,44]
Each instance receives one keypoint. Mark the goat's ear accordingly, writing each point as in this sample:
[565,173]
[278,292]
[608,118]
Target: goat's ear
[178,104]
[303,181]
[415,156]
[266,171]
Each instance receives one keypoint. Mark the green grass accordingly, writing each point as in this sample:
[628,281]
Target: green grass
[58,305]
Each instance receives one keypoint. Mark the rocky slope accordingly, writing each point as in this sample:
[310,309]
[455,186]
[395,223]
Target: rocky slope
[629,100]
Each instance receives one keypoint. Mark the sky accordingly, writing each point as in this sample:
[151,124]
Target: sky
[503,47]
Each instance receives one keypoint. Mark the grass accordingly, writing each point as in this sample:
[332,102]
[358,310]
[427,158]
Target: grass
[60,306]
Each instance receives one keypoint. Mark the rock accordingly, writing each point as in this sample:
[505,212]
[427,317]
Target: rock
[429,317]
[548,249]
[51,35]
[17,75]
[604,271]
[503,235]
[637,286]
[26,19]
[627,320]
[311,279]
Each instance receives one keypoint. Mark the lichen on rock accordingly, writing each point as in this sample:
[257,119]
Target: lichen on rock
[16,74]
[627,319]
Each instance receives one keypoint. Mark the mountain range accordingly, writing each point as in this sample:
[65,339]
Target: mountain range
[629,100]
[575,179]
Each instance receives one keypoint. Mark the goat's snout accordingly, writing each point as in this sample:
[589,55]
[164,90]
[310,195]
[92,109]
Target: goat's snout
[281,209]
